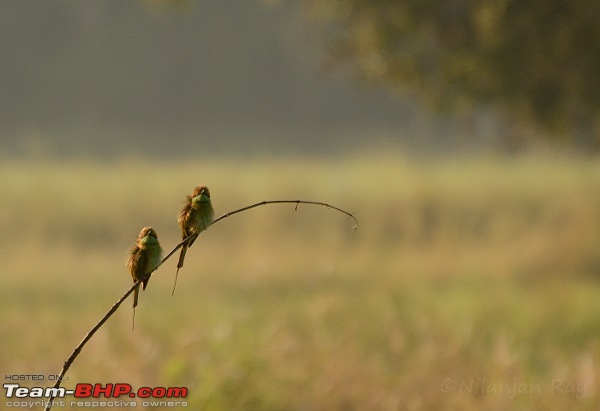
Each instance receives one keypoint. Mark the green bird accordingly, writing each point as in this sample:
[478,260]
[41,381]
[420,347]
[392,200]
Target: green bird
[195,217]
[144,257]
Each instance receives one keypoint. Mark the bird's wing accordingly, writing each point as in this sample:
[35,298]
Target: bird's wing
[138,263]
[184,218]
[142,266]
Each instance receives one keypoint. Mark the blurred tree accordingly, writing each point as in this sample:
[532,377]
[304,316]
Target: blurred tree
[538,61]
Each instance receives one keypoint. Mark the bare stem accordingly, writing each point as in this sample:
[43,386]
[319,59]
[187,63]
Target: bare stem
[115,307]
[351,215]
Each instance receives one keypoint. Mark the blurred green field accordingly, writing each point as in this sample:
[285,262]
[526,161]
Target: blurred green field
[471,284]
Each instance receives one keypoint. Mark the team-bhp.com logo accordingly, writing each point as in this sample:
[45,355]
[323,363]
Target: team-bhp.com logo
[20,396]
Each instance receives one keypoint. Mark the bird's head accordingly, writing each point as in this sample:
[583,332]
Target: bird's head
[148,236]
[201,195]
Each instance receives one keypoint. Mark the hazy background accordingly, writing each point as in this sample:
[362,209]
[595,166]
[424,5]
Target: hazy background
[114,78]
[471,282]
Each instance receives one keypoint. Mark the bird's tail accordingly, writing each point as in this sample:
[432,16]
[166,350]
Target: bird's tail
[136,292]
[179,264]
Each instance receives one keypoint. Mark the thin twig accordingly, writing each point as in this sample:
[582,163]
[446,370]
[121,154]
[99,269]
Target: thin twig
[115,307]
[351,215]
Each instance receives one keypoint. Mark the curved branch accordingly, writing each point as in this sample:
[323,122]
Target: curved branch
[350,215]
[116,305]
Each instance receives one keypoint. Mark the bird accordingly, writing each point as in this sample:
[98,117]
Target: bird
[195,217]
[145,256]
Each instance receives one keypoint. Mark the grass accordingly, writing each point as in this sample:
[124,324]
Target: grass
[470,285]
